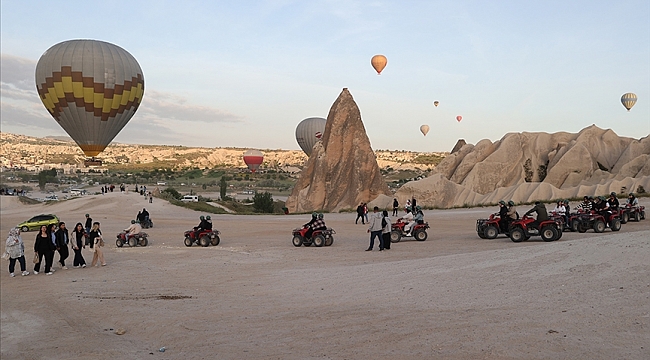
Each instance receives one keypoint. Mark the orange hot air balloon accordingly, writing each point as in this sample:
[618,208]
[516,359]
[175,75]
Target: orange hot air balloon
[379,63]
[459,118]
[435,103]
[253,159]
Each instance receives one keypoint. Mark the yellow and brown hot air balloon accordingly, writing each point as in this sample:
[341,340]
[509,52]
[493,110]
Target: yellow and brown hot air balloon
[379,63]
[628,100]
[424,129]
[91,88]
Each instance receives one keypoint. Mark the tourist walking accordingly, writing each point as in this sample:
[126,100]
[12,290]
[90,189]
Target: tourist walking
[386,229]
[98,244]
[15,248]
[78,244]
[62,242]
[42,248]
[360,214]
[89,223]
[51,231]
[375,230]
[395,207]
[365,211]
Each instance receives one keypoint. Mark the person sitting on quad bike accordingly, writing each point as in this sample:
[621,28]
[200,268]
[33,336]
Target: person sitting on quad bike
[408,219]
[560,209]
[613,202]
[586,205]
[503,216]
[419,215]
[200,227]
[316,223]
[208,223]
[512,211]
[602,207]
[132,230]
[145,215]
[542,214]
[632,201]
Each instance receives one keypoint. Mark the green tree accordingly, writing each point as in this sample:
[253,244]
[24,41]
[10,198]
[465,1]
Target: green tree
[263,202]
[223,186]
[45,176]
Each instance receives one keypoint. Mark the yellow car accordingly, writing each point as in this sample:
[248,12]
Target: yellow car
[37,221]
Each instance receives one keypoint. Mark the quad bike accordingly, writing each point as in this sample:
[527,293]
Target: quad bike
[560,219]
[318,237]
[599,222]
[141,238]
[418,231]
[490,228]
[147,223]
[574,221]
[522,229]
[628,213]
[204,238]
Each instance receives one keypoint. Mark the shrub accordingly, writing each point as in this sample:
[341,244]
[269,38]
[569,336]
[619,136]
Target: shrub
[640,189]
[171,192]
[263,202]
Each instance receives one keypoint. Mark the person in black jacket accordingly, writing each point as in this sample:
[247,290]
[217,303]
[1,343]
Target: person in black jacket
[360,212]
[395,206]
[613,202]
[78,244]
[62,242]
[542,214]
[208,223]
[43,247]
[89,223]
[503,216]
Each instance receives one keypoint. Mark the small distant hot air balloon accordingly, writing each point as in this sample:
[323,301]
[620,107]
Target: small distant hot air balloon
[459,118]
[424,129]
[91,88]
[628,100]
[253,159]
[435,103]
[309,132]
[379,63]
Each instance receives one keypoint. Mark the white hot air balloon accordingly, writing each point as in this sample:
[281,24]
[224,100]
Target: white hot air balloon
[309,132]
[424,129]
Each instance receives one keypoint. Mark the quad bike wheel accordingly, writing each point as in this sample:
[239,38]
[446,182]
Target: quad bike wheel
[420,235]
[480,233]
[119,243]
[582,227]
[297,240]
[599,226]
[204,241]
[329,240]
[625,217]
[187,241]
[636,216]
[133,242]
[143,241]
[574,225]
[491,232]
[615,225]
[319,240]
[642,217]
[215,241]
[548,233]
[517,235]
[395,236]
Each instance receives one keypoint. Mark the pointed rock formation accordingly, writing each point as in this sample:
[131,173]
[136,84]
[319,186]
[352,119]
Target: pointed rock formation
[459,144]
[342,170]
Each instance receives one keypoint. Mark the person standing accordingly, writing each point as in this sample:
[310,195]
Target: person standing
[365,211]
[360,214]
[77,245]
[51,232]
[62,242]
[96,239]
[42,248]
[395,206]
[16,250]
[375,230]
[413,205]
[89,223]
[385,232]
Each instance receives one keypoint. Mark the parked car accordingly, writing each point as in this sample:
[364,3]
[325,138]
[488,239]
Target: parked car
[52,197]
[161,183]
[190,198]
[37,221]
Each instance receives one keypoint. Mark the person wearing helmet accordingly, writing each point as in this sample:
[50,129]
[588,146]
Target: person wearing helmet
[585,206]
[602,207]
[319,224]
[613,202]
[132,230]
[314,217]
[503,216]
[208,223]
[632,201]
[419,215]
[200,227]
[542,214]
[512,211]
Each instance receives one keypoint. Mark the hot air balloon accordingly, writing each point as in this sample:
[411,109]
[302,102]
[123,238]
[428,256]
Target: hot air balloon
[309,132]
[459,118]
[379,63]
[628,100]
[435,103]
[424,129]
[91,88]
[253,159]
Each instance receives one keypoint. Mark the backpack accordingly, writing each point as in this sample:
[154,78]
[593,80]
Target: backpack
[383,222]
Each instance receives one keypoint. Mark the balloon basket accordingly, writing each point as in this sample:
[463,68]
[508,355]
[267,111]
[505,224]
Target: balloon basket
[92,162]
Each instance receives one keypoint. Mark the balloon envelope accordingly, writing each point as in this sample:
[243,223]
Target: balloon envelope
[309,132]
[424,129]
[435,103]
[91,88]
[253,159]
[628,100]
[379,63]
[459,118]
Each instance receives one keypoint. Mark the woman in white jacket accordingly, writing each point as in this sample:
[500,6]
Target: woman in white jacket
[16,250]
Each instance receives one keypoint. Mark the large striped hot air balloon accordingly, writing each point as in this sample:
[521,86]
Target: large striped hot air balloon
[91,88]
[253,159]
[628,100]
[309,132]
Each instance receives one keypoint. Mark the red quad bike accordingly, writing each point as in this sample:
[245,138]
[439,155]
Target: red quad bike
[628,213]
[141,238]
[598,222]
[560,219]
[489,228]
[549,230]
[574,221]
[418,231]
[319,237]
[205,238]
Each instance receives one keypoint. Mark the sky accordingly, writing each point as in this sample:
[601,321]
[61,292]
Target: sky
[245,73]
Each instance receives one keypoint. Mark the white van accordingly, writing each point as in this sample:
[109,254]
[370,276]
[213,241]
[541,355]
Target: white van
[190,198]
[161,183]
[77,192]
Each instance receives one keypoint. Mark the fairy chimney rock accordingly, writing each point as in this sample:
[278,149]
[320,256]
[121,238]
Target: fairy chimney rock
[342,170]
[459,144]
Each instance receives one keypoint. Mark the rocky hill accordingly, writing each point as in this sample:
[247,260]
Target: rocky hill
[525,167]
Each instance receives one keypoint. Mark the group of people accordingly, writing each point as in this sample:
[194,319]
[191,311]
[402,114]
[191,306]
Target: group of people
[317,222]
[205,224]
[16,192]
[362,213]
[55,238]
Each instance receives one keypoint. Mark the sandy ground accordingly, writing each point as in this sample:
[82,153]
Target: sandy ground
[454,296]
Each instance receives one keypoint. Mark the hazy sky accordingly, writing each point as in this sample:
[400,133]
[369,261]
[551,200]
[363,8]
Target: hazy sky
[244,73]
